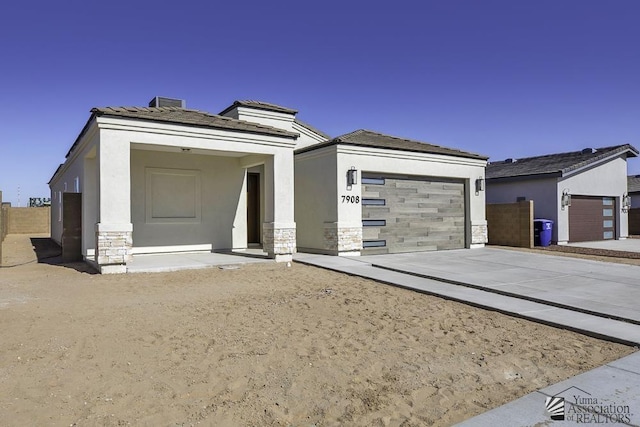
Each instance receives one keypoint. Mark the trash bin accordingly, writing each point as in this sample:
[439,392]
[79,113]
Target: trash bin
[542,231]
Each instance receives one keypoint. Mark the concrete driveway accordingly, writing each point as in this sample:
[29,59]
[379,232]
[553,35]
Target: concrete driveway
[606,289]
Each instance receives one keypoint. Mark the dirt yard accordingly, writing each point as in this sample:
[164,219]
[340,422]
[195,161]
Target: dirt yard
[264,344]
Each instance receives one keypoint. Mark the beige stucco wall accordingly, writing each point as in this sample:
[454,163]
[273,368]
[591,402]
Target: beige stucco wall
[221,221]
[315,196]
[65,181]
[319,200]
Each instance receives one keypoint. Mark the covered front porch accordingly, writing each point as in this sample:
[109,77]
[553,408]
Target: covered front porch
[153,194]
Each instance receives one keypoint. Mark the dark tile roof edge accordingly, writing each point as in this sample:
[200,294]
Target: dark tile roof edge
[259,105]
[312,129]
[252,127]
[342,139]
[605,153]
[633,183]
[111,111]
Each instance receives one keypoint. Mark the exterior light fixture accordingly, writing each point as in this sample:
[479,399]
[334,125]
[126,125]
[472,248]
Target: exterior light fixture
[566,199]
[479,184]
[352,176]
[626,202]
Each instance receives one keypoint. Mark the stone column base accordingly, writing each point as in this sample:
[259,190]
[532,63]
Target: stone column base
[279,240]
[113,247]
[342,240]
[479,234]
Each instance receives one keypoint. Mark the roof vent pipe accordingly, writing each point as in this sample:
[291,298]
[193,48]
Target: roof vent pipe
[588,151]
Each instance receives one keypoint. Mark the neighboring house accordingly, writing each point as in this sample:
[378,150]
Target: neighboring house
[165,178]
[633,188]
[365,192]
[581,191]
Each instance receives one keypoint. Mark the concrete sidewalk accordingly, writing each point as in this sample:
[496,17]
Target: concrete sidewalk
[627,245]
[591,292]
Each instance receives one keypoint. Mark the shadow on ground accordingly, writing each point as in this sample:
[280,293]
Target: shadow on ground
[49,252]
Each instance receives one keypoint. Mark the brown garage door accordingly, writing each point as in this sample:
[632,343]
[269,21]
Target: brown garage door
[410,214]
[591,218]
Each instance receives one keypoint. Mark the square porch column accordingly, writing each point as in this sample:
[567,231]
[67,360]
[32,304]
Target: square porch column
[279,228]
[114,231]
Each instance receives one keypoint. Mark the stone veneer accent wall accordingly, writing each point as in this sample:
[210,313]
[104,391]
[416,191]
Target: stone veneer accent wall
[113,247]
[342,239]
[479,234]
[278,241]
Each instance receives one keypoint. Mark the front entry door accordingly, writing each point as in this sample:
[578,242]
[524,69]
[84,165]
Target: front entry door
[253,208]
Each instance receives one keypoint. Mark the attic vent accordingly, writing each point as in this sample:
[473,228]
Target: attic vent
[510,161]
[160,101]
[588,151]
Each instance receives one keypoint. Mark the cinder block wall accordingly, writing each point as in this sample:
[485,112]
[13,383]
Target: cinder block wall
[634,221]
[511,224]
[29,220]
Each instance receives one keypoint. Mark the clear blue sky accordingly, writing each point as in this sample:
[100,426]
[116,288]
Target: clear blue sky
[502,78]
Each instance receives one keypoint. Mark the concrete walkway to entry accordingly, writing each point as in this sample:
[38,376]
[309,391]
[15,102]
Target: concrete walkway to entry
[595,298]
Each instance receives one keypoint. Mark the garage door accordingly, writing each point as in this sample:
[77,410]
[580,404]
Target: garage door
[591,218]
[409,214]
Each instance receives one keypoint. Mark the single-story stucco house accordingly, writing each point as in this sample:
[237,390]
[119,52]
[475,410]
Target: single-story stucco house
[582,192]
[164,178]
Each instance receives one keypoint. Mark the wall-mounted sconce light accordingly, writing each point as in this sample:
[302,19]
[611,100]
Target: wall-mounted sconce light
[352,176]
[566,198]
[479,184]
[626,202]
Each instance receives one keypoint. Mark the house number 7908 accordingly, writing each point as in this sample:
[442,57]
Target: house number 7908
[350,199]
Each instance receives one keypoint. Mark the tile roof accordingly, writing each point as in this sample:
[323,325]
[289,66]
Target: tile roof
[260,105]
[190,117]
[555,164]
[633,183]
[367,138]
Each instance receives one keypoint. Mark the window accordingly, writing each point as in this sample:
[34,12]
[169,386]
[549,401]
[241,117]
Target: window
[607,223]
[607,212]
[607,201]
[608,235]
[374,243]
[374,202]
[374,222]
[373,181]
